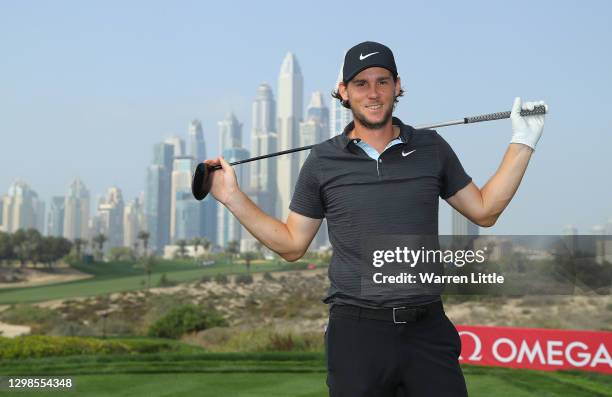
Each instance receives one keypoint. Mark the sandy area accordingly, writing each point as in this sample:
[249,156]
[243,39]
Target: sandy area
[37,277]
[11,331]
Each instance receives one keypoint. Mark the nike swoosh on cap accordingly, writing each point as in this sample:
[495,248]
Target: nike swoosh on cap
[406,154]
[362,57]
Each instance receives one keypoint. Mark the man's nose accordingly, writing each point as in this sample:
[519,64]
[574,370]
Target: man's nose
[373,91]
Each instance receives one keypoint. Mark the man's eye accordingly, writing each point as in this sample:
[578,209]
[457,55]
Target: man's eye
[360,84]
[383,82]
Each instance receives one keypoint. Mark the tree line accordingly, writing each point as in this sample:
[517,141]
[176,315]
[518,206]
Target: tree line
[30,246]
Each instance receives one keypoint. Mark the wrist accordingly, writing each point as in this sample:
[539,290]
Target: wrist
[233,199]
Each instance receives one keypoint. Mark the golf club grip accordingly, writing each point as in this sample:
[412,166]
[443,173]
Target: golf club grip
[504,115]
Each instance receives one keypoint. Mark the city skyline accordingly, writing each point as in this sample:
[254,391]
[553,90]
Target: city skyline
[104,96]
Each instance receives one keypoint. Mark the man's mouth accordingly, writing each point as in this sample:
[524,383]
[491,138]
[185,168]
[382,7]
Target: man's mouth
[374,107]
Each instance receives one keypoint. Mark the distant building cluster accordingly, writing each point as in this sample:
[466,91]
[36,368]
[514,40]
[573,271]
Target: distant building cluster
[166,210]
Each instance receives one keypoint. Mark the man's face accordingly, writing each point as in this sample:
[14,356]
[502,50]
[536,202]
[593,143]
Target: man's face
[371,94]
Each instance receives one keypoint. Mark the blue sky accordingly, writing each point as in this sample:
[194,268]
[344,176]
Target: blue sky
[86,89]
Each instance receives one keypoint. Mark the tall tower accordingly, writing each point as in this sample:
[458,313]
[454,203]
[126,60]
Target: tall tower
[230,133]
[157,196]
[110,213]
[290,104]
[462,226]
[76,211]
[133,223]
[312,131]
[22,209]
[196,147]
[55,220]
[184,211]
[340,116]
[264,141]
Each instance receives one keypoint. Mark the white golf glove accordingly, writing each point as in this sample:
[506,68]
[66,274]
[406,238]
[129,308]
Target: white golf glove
[526,129]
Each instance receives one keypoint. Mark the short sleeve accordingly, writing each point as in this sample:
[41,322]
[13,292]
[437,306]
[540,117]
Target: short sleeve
[453,176]
[306,198]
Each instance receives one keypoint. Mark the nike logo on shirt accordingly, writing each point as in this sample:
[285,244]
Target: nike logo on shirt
[406,154]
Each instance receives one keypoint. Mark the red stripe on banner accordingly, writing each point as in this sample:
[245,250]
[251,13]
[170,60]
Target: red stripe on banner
[536,348]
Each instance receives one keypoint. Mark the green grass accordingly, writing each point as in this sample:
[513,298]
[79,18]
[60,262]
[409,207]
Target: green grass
[268,374]
[125,276]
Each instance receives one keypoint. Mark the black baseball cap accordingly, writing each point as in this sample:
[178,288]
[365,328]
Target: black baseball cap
[366,55]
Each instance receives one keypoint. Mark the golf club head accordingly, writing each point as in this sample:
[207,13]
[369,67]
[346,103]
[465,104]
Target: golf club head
[200,185]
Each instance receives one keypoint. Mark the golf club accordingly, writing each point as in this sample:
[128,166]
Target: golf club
[200,185]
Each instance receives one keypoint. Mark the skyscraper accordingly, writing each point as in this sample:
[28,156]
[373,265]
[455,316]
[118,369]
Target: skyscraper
[133,222]
[289,113]
[228,227]
[264,140]
[196,147]
[22,209]
[55,220]
[340,116]
[230,133]
[312,131]
[76,211]
[208,207]
[110,214]
[178,145]
[184,211]
[463,226]
[157,197]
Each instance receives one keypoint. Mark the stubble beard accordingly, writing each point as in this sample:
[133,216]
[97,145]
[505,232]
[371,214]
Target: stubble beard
[371,125]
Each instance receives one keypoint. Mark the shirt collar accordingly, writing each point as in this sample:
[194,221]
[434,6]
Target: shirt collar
[405,132]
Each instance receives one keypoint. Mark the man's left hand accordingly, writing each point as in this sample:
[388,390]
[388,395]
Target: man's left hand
[526,129]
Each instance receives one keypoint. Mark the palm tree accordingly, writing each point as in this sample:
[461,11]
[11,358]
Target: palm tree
[78,243]
[196,243]
[148,263]
[206,244]
[182,250]
[248,257]
[100,239]
[232,248]
[144,236]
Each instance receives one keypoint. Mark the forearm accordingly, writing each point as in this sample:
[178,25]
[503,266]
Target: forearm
[271,232]
[499,190]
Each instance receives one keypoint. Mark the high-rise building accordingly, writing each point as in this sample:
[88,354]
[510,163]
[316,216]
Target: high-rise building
[110,214]
[264,140]
[22,209]
[55,220]
[196,147]
[230,133]
[178,145]
[312,131]
[133,222]
[462,226]
[228,227]
[182,216]
[289,114]
[157,196]
[340,116]
[208,207]
[76,211]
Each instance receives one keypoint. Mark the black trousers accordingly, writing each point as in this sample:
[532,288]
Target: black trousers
[376,358]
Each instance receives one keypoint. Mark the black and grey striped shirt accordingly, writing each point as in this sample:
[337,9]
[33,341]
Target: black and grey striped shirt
[362,197]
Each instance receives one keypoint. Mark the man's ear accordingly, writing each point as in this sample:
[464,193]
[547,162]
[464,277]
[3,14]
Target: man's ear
[342,90]
[398,86]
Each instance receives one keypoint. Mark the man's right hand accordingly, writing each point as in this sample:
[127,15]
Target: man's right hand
[224,183]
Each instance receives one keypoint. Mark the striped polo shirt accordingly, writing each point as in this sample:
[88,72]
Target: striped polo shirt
[363,195]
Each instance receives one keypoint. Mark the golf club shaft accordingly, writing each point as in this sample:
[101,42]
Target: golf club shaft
[466,120]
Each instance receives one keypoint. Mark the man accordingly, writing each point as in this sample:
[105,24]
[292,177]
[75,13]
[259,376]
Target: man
[382,177]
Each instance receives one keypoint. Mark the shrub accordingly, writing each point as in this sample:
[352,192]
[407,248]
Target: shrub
[36,346]
[183,319]
[205,279]
[268,276]
[164,281]
[243,279]
[221,278]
